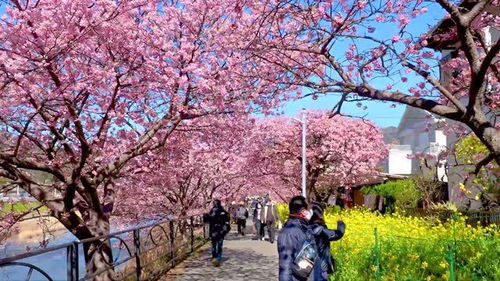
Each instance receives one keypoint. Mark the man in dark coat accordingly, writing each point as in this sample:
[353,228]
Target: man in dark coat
[292,237]
[259,231]
[218,220]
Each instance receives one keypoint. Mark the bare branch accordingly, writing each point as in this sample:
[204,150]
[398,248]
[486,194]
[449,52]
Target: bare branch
[485,161]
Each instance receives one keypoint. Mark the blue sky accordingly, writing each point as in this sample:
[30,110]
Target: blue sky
[380,113]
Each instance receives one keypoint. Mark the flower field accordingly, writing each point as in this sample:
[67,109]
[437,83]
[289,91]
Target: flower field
[410,248]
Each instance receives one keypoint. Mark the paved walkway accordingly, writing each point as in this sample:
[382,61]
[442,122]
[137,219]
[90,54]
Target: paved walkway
[243,259]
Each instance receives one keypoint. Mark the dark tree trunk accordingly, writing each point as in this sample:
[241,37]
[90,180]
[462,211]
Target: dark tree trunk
[99,256]
[98,253]
[490,137]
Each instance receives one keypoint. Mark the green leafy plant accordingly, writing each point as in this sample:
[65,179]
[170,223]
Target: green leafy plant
[403,192]
[484,174]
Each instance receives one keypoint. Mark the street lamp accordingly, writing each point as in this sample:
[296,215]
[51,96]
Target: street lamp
[303,121]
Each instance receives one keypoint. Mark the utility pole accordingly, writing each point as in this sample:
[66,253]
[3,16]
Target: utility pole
[304,155]
[303,122]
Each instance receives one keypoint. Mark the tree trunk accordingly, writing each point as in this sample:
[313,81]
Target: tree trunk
[98,254]
[311,180]
[490,136]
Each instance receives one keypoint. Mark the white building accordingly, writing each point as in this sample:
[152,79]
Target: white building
[418,134]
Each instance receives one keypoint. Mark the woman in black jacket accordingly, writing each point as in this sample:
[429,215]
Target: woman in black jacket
[323,236]
[218,220]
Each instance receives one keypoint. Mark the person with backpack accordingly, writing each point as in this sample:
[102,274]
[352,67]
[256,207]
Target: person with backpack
[323,236]
[296,244]
[218,220]
[241,216]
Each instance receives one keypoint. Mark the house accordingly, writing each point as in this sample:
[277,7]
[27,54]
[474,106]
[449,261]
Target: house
[419,136]
[13,193]
[449,49]
[421,133]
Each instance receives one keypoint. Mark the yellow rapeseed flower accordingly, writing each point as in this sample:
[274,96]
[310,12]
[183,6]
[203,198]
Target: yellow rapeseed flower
[408,245]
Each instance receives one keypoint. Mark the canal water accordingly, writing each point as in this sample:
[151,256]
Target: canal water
[31,236]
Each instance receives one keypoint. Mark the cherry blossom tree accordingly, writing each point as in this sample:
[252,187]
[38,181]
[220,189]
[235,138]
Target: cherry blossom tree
[203,160]
[86,87]
[365,50]
[341,152]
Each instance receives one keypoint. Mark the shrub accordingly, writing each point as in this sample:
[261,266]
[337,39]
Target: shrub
[283,212]
[403,192]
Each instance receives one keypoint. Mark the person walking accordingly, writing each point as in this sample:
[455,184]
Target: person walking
[295,239]
[323,237]
[242,216]
[257,221]
[232,212]
[269,217]
[218,219]
[254,204]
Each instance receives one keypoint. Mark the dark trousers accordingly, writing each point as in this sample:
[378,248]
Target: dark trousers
[258,229]
[271,230]
[242,224]
[263,229]
[217,248]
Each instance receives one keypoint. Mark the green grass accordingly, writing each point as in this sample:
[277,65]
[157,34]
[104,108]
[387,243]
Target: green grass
[20,207]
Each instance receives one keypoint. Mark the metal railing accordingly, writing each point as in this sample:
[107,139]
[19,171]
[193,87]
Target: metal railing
[147,252]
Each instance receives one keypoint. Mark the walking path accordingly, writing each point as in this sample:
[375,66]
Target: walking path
[243,259]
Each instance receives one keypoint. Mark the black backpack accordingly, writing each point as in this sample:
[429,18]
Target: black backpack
[306,257]
[219,223]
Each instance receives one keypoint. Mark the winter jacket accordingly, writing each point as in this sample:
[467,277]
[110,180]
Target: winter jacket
[290,241]
[257,212]
[323,236]
[269,213]
[242,213]
[218,220]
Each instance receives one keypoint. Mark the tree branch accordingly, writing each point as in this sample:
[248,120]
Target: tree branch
[426,104]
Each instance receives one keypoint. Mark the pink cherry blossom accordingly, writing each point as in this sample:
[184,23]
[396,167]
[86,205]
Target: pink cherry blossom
[341,152]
